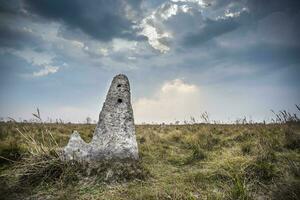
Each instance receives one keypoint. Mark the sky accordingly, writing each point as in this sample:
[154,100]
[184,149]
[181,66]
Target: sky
[229,58]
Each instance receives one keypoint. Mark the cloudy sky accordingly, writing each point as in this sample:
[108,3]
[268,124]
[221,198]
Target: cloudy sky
[231,58]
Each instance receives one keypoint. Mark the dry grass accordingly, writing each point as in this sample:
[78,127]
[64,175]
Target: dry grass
[201,161]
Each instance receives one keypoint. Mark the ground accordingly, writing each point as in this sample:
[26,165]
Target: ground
[199,161]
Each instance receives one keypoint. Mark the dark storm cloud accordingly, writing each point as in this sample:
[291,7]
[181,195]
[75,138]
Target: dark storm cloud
[211,30]
[257,10]
[263,8]
[101,19]
[14,34]
[17,38]
[12,6]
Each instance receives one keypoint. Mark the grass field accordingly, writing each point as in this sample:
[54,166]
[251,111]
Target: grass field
[200,161]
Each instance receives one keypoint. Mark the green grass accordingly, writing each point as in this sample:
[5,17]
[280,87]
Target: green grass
[204,161]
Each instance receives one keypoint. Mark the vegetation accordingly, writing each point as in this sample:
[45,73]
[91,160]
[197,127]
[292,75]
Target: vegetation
[192,161]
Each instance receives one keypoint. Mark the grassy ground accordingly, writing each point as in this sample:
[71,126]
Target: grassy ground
[203,161]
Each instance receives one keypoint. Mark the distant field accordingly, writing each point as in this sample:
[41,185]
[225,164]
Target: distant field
[201,161]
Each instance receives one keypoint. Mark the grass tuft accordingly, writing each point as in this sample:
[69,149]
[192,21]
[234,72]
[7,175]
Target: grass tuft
[197,154]
[287,191]
[292,139]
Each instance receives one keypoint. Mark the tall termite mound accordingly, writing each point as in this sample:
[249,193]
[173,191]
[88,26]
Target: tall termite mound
[114,136]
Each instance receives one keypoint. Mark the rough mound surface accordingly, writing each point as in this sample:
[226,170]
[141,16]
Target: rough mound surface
[114,136]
